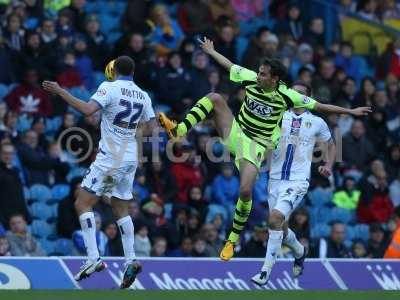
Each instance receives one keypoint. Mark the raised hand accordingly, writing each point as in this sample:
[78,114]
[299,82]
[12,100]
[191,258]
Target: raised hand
[207,45]
[325,171]
[52,87]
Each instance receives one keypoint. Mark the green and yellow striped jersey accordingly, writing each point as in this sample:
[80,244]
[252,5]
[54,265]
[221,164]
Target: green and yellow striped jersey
[261,113]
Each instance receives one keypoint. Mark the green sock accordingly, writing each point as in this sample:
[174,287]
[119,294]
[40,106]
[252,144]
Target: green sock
[197,114]
[242,212]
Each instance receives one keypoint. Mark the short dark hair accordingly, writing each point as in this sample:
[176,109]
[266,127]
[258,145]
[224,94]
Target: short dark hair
[124,65]
[307,86]
[277,67]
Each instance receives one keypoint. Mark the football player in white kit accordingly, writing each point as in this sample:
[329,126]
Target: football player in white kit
[123,105]
[289,180]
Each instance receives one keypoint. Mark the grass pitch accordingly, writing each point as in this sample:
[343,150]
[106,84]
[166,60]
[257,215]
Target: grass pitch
[198,295]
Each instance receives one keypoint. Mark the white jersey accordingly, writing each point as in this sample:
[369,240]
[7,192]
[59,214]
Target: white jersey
[292,159]
[123,105]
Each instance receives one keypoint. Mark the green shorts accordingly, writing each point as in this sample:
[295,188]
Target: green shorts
[243,147]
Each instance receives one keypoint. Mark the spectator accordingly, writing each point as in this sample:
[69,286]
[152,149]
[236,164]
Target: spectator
[323,80]
[96,43]
[377,242]
[390,10]
[160,181]
[209,167]
[4,247]
[214,243]
[358,249]
[78,15]
[257,245]
[299,222]
[194,223]
[153,216]
[172,82]
[394,190]
[14,33]
[348,196]
[292,26]
[225,188]
[69,75]
[64,25]
[250,14]
[187,174]
[12,201]
[393,161]
[194,17]
[375,204]
[84,62]
[199,75]
[305,75]
[178,226]
[393,249]
[48,32]
[10,122]
[196,201]
[22,243]
[376,129]
[137,49]
[101,238]
[334,246]
[345,59]
[367,9]
[259,46]
[167,35]
[357,149]
[303,59]
[199,248]
[186,51]
[114,244]
[185,250]
[28,97]
[142,241]
[225,42]
[134,18]
[67,218]
[316,33]
[7,75]
[140,189]
[159,247]
[222,8]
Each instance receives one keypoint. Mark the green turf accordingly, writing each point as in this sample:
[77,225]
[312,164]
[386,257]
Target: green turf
[197,295]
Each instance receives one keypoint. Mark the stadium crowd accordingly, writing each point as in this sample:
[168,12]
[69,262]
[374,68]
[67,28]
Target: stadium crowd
[184,208]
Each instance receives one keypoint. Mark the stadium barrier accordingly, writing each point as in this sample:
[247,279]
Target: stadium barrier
[201,274]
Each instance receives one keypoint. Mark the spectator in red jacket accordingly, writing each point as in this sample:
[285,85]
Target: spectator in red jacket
[29,98]
[375,204]
[187,173]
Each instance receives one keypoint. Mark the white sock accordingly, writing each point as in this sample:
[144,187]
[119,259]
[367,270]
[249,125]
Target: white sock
[273,247]
[88,225]
[293,243]
[126,228]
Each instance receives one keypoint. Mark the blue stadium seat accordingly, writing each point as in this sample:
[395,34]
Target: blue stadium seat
[319,215]
[320,230]
[76,172]
[213,210]
[113,36]
[64,247]
[47,245]
[350,233]
[24,123]
[40,192]
[3,91]
[168,210]
[42,211]
[80,92]
[27,194]
[99,77]
[53,124]
[42,229]
[320,196]
[361,232]
[59,192]
[340,214]
[241,46]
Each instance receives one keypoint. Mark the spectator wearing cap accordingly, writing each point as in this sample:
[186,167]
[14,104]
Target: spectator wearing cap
[28,97]
[194,17]
[348,195]
[167,35]
[187,173]
[333,246]
[357,149]
[393,250]
[96,43]
[377,242]
[22,243]
[257,245]
[304,58]
[225,187]
[256,49]
[10,185]
[292,26]
[84,62]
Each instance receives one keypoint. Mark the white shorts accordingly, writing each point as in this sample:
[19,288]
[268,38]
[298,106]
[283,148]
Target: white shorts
[101,179]
[286,195]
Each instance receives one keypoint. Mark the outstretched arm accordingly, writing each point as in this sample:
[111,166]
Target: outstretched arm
[328,108]
[208,47]
[87,108]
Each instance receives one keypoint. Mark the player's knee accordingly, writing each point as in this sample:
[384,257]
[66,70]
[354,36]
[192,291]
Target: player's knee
[245,192]
[276,220]
[216,98]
